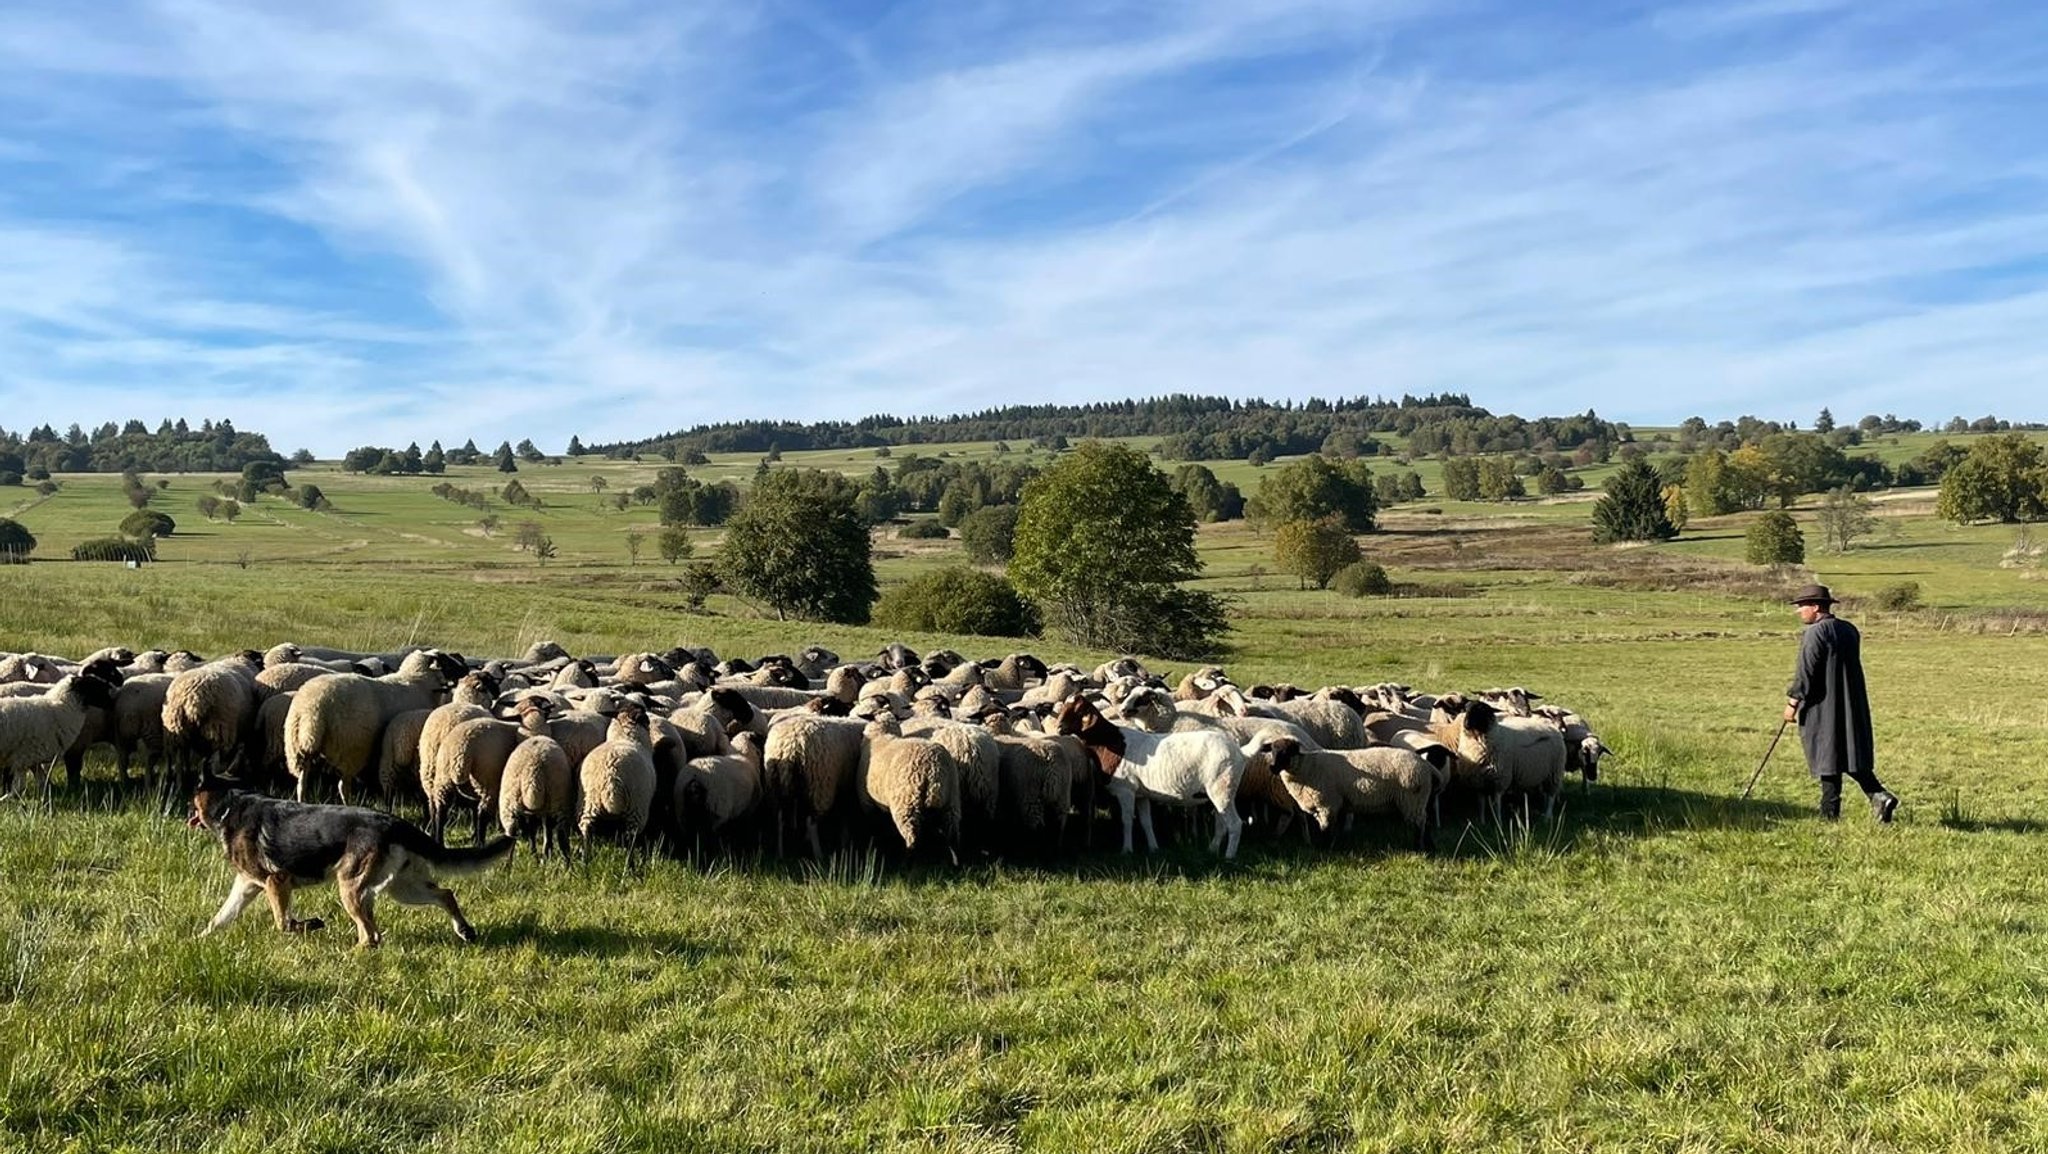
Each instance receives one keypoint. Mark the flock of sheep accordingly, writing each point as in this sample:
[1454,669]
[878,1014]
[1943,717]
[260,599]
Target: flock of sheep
[935,754]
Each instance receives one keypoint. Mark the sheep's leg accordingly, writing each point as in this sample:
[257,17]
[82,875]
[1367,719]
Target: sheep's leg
[344,786]
[241,892]
[1128,810]
[304,791]
[1145,823]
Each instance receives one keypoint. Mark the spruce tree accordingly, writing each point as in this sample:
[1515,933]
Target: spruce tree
[1633,509]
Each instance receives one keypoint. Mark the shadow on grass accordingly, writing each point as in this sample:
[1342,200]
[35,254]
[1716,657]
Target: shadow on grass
[589,940]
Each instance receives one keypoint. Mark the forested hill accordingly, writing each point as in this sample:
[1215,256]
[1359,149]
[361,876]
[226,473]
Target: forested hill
[175,447]
[1192,428]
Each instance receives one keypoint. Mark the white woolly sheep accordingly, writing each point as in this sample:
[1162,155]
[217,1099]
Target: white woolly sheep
[808,766]
[915,782]
[974,749]
[336,723]
[35,731]
[538,792]
[1176,768]
[210,712]
[1038,776]
[617,781]
[1338,783]
[712,793]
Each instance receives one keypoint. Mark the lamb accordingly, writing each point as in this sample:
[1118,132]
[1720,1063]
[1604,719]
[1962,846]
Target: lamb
[617,781]
[336,723]
[35,731]
[913,780]
[808,765]
[1338,783]
[1178,768]
[714,792]
[209,712]
[537,795]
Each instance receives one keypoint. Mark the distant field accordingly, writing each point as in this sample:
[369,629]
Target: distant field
[1664,967]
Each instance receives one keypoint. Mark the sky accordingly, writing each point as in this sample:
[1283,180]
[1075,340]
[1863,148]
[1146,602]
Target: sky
[380,222]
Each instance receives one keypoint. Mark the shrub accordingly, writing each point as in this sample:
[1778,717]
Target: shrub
[114,549]
[148,523]
[45,487]
[957,599]
[923,531]
[1900,598]
[990,534]
[1314,550]
[1362,578]
[675,544]
[10,478]
[699,581]
[1775,539]
[16,542]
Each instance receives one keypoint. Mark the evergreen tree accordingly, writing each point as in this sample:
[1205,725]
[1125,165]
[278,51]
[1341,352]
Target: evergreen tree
[504,458]
[575,445]
[1633,509]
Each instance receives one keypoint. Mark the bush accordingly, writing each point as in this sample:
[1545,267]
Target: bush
[699,581]
[1900,598]
[16,542]
[148,523]
[1362,578]
[923,531]
[957,599]
[10,478]
[990,534]
[114,549]
[675,545]
[1775,540]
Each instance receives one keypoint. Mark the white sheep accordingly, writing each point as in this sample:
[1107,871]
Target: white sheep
[617,781]
[139,722]
[35,731]
[210,712]
[974,749]
[1039,776]
[808,766]
[915,782]
[712,793]
[538,791]
[336,724]
[1176,768]
[1334,784]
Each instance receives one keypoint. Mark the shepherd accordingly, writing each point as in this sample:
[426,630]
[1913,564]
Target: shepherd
[1828,700]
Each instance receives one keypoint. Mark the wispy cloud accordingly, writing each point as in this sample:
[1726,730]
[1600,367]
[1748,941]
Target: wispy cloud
[390,221]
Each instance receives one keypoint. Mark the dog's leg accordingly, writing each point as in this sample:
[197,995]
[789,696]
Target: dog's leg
[279,888]
[241,892]
[360,902]
[420,890]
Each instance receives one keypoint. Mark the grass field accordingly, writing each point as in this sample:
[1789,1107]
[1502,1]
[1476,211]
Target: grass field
[1664,967]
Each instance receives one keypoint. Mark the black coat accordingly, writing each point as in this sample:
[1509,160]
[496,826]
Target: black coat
[1834,709]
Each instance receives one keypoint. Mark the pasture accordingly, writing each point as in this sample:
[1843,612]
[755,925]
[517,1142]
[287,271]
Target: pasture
[1663,967]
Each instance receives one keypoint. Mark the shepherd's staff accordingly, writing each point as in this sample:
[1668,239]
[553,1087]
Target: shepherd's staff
[1767,758]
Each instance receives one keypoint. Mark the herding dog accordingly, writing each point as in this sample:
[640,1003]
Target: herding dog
[275,845]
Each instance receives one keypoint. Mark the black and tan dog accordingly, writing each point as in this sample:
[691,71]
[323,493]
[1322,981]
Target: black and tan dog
[276,845]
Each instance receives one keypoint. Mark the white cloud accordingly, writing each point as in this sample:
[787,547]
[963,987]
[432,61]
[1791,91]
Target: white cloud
[501,220]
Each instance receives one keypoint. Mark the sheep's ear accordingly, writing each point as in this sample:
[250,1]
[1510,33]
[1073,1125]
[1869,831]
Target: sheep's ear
[1604,751]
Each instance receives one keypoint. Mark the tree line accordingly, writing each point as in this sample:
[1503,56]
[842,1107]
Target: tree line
[175,447]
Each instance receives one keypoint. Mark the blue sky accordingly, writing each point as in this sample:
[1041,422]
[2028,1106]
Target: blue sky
[379,222]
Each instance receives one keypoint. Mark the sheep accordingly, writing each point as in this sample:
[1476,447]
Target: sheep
[30,667]
[182,661]
[980,762]
[139,721]
[468,765]
[808,766]
[289,676]
[537,795]
[1512,701]
[1339,783]
[1178,768]
[1466,728]
[1583,748]
[712,793]
[1016,672]
[897,655]
[99,722]
[209,712]
[1201,683]
[1109,671]
[336,723]
[916,782]
[1058,686]
[398,755]
[1038,778]
[35,731]
[817,662]
[705,722]
[617,781]
[269,738]
[471,697]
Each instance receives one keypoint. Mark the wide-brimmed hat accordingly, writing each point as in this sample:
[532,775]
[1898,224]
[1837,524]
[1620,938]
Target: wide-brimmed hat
[1813,595]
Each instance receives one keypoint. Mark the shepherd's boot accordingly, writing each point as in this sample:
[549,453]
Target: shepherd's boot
[1882,805]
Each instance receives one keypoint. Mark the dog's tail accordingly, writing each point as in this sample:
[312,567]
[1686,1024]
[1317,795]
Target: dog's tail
[466,859]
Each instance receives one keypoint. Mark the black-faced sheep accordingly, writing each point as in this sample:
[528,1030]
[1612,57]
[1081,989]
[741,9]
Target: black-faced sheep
[336,724]
[617,781]
[538,791]
[35,731]
[916,782]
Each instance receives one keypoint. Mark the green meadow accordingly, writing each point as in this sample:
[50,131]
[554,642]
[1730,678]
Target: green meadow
[1662,967]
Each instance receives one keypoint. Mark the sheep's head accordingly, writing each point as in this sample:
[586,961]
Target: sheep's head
[1343,695]
[1150,707]
[733,667]
[106,669]
[1076,714]
[97,692]
[1284,753]
[451,665]
[829,706]
[897,655]
[1591,750]
[820,657]
[997,721]
[544,651]
[733,705]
